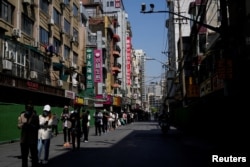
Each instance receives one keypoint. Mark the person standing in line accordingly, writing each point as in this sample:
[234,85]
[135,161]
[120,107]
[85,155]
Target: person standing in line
[98,122]
[76,127]
[111,119]
[28,122]
[105,121]
[66,126]
[85,125]
[55,124]
[45,133]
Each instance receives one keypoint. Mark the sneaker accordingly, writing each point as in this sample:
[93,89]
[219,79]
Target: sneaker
[85,141]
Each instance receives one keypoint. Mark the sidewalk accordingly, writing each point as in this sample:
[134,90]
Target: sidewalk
[11,155]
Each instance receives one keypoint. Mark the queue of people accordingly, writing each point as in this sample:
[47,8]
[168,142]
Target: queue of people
[37,130]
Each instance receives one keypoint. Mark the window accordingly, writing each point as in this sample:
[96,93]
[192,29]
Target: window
[44,36]
[111,3]
[57,45]
[57,17]
[75,10]
[36,62]
[66,26]
[66,52]
[6,11]
[66,1]
[75,34]
[44,6]
[27,25]
[21,69]
[75,58]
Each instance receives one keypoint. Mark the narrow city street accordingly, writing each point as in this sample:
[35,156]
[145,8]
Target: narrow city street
[140,144]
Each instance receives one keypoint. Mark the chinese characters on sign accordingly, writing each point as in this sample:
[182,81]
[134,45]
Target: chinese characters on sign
[97,66]
[89,61]
[128,62]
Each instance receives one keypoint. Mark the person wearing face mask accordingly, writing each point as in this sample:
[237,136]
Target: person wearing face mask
[45,133]
[28,122]
[76,127]
[66,126]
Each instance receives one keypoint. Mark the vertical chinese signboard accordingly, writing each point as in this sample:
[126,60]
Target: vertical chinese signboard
[89,70]
[97,66]
[128,61]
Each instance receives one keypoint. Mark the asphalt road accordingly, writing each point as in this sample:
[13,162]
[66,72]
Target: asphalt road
[140,144]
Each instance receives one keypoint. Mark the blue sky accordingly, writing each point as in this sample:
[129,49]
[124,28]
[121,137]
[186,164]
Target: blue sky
[149,34]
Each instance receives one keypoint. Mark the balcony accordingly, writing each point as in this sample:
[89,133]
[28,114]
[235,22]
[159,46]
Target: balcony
[116,38]
[116,69]
[116,54]
[115,85]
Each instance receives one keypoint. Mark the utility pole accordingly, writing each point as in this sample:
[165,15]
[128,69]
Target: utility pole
[181,58]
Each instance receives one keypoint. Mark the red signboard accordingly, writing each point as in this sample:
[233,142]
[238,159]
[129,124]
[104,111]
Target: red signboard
[97,66]
[117,3]
[128,60]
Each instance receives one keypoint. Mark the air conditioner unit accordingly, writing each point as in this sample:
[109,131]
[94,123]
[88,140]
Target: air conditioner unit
[62,59]
[51,22]
[16,32]
[33,74]
[35,44]
[60,83]
[7,65]
[73,65]
[73,39]
[62,31]
[28,2]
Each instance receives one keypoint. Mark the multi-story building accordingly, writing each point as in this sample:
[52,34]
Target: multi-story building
[215,62]
[138,80]
[154,93]
[42,54]
[64,51]
[177,27]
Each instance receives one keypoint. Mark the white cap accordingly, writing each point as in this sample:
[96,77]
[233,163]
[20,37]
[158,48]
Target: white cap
[46,108]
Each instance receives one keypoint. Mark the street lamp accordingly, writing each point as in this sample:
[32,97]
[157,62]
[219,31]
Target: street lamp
[166,65]
[143,10]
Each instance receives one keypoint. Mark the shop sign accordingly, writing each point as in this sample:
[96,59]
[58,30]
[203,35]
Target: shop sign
[32,85]
[89,66]
[193,91]
[79,101]
[69,94]
[98,66]
[117,101]
[225,69]
[205,87]
[217,83]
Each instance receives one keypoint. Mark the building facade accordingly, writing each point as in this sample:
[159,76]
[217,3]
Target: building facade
[64,51]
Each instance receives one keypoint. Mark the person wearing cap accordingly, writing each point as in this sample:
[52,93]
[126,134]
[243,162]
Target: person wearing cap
[45,133]
[65,118]
[28,123]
